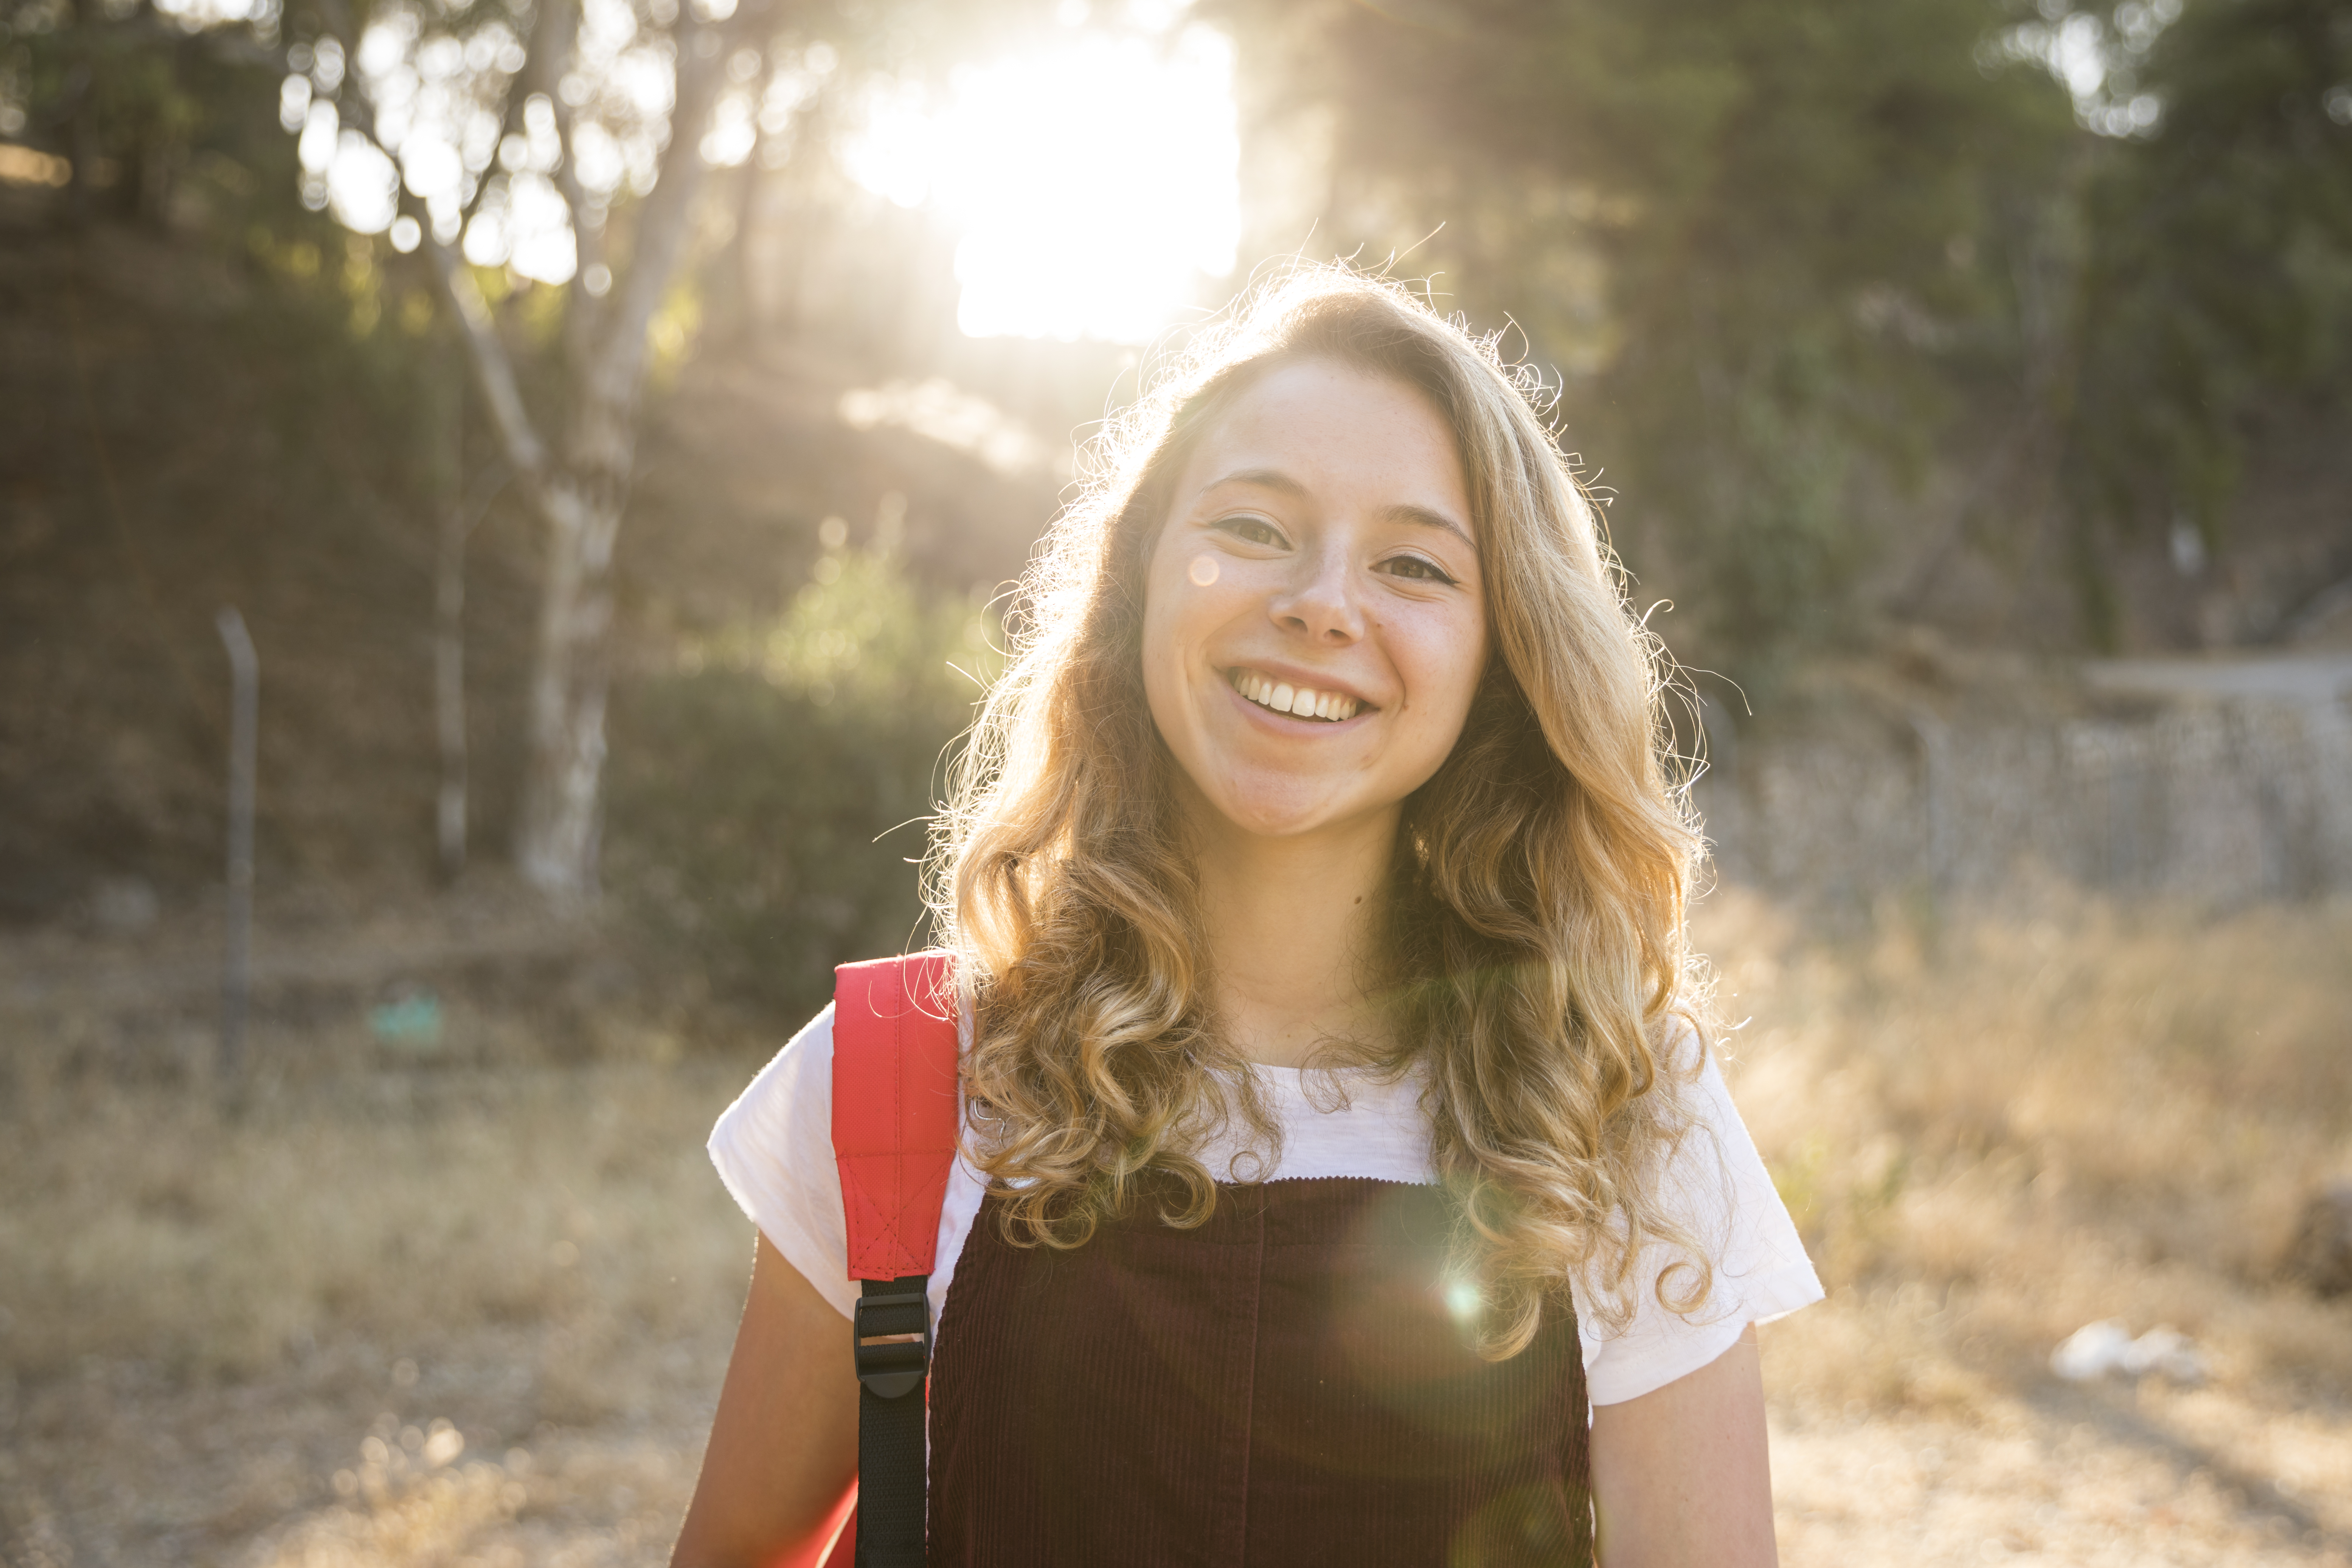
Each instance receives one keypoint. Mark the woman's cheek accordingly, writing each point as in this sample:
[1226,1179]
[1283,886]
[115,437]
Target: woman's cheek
[1181,612]
[1443,660]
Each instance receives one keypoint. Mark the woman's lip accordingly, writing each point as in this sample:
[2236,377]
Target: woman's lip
[1292,676]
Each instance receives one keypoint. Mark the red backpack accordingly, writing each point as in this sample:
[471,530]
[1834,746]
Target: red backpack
[895,1115]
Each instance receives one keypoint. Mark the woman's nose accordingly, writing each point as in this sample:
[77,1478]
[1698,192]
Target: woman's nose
[1320,601]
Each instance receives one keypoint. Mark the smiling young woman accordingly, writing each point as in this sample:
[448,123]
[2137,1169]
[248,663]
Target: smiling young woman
[1319,546]
[1344,1172]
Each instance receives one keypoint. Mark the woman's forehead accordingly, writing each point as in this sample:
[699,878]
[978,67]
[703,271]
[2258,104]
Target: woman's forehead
[1322,428]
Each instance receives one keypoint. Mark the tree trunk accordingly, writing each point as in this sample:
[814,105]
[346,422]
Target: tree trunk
[581,504]
[556,837]
[580,490]
[462,511]
[449,689]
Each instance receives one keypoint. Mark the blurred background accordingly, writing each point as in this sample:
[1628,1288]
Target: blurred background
[603,431]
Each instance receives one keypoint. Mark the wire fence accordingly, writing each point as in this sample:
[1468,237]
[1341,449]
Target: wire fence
[2226,797]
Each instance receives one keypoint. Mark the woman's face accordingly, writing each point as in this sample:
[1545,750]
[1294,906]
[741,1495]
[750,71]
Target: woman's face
[1314,623]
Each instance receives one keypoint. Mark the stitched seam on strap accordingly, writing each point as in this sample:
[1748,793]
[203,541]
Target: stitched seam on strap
[898,1101]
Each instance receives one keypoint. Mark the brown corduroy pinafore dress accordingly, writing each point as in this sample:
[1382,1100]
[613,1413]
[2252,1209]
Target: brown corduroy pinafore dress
[1282,1386]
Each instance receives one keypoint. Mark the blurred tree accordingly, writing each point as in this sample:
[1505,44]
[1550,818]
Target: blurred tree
[1764,244]
[567,145]
[2219,275]
[503,129]
[542,159]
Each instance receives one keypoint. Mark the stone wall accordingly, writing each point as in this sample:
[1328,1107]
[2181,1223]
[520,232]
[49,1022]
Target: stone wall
[2225,798]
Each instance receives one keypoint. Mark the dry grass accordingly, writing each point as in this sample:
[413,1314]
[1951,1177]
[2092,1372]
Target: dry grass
[1995,1130]
[477,1314]
[1996,1127]
[412,1317]
[408,1206]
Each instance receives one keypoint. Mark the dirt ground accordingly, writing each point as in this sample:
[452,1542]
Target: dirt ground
[470,1304]
[111,1468]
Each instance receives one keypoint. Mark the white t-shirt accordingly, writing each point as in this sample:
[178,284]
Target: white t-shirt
[773,1148]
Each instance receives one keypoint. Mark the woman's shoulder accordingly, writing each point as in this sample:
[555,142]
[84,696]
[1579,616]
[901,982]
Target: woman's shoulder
[790,1098]
[1699,1103]
[1681,1044]
[1716,1186]
[803,1067]
[778,1134]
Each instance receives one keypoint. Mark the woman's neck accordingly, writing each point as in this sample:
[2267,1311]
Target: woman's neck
[1291,923]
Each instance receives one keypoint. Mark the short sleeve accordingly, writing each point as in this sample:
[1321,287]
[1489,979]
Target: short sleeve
[773,1148]
[1716,1184]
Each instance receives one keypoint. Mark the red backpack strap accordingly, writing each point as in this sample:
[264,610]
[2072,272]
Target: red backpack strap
[894,1109]
[895,1113]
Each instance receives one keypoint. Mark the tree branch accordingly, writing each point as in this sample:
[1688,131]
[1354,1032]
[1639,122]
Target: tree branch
[615,370]
[663,222]
[554,32]
[557,30]
[493,367]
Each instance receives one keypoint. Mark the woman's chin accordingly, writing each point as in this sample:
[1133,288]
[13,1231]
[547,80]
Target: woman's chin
[1290,813]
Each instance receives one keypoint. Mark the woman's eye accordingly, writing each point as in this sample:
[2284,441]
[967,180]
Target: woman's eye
[1417,568]
[1255,530]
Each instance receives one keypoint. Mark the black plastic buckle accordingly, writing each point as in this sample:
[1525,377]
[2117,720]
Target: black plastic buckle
[893,1367]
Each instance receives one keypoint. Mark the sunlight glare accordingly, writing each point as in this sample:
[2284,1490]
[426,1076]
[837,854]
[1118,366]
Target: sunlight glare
[1096,185]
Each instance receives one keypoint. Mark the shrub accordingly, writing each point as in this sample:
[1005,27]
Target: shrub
[770,787]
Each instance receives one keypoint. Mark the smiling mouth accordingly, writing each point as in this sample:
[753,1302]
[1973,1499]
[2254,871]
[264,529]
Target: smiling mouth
[1300,701]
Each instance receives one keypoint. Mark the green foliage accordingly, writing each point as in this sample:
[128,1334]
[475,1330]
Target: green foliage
[1780,251]
[1800,222]
[2220,260]
[770,791]
[1819,301]
[160,124]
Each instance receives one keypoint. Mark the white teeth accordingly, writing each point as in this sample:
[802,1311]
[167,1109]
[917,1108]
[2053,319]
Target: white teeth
[1303,702]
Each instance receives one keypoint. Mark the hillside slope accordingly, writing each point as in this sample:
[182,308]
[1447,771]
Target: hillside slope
[181,432]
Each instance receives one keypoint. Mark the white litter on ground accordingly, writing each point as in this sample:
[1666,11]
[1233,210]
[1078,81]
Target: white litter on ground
[2094,1349]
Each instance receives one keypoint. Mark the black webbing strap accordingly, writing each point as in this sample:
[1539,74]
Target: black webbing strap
[892,1466]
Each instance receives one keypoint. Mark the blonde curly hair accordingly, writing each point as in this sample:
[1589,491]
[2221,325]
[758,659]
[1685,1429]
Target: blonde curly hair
[1534,924]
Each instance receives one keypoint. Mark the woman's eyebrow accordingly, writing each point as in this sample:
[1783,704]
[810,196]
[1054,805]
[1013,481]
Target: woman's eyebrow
[1422,516]
[1264,478]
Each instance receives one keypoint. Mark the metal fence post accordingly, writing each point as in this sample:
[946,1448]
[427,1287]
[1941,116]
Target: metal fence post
[236,976]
